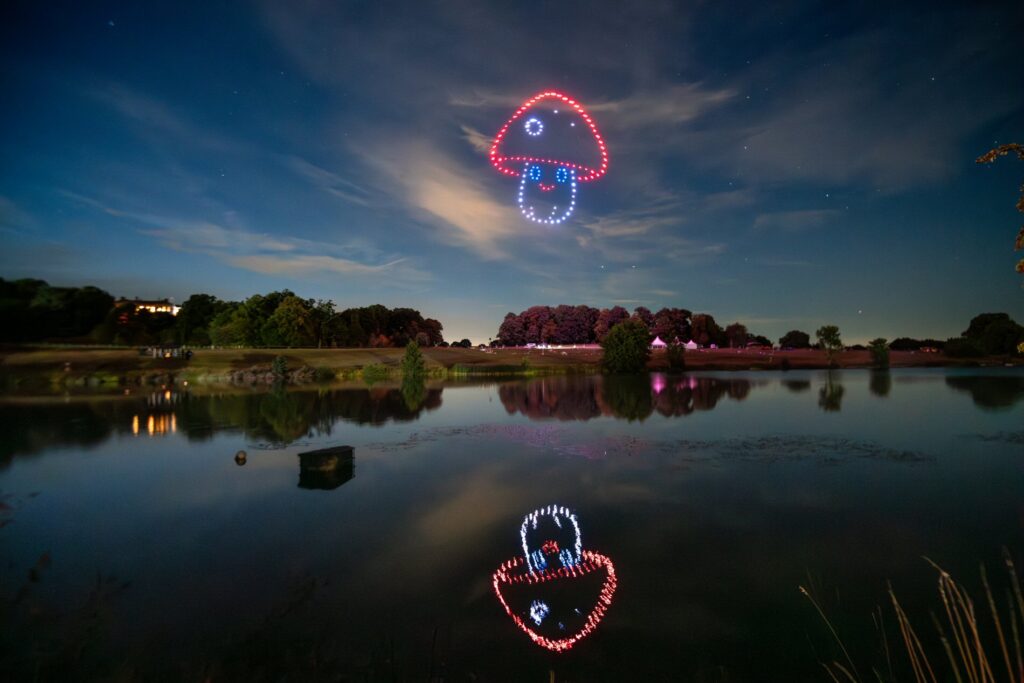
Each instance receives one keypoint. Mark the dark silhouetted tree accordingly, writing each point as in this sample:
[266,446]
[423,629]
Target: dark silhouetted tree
[879,352]
[829,341]
[737,335]
[795,339]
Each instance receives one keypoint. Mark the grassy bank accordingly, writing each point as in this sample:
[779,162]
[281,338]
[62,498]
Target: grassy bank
[105,366]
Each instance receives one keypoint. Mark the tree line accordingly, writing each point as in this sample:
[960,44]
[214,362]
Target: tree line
[33,310]
[583,324]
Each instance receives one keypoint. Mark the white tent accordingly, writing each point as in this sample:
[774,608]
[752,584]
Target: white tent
[658,344]
[691,345]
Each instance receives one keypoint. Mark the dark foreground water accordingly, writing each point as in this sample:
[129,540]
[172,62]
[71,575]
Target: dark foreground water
[134,547]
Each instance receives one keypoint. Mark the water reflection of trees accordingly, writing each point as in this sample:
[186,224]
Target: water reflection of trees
[830,396]
[880,383]
[626,397]
[993,392]
[275,416]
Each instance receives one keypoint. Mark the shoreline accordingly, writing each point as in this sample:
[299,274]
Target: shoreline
[27,367]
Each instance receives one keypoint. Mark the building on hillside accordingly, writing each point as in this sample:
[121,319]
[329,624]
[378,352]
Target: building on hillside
[153,306]
[658,343]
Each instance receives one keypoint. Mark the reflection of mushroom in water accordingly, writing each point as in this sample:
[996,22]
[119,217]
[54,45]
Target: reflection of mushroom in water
[240,458]
[327,468]
[556,592]
[552,144]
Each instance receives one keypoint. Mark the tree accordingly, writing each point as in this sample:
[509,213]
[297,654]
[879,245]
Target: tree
[228,327]
[626,347]
[737,335]
[994,333]
[644,315]
[829,341]
[195,317]
[795,339]
[706,331]
[511,332]
[675,354]
[961,347]
[413,365]
[672,324]
[291,324]
[991,156]
[607,319]
[879,352]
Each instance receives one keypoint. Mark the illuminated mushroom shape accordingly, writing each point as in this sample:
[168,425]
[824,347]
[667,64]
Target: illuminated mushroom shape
[552,144]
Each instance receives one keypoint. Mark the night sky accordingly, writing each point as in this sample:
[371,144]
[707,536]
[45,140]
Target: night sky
[785,167]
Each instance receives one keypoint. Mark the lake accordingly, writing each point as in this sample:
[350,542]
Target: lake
[134,546]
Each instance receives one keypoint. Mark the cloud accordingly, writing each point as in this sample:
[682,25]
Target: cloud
[329,182]
[159,121]
[301,264]
[264,253]
[669,105]
[794,221]
[650,233]
[862,109]
[477,140]
[456,201]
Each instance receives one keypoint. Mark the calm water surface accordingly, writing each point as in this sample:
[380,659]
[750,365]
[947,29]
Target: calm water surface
[135,547]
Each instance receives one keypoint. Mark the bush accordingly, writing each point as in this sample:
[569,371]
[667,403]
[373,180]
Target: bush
[279,366]
[322,374]
[413,365]
[961,347]
[879,352]
[375,373]
[676,356]
[626,348]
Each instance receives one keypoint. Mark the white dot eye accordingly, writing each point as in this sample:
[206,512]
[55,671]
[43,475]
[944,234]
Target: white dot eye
[533,127]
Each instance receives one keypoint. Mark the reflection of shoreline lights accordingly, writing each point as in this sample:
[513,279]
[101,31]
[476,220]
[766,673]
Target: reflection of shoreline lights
[532,166]
[156,425]
[532,568]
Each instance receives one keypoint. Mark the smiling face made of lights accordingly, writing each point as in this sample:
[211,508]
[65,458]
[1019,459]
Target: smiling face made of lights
[552,145]
[556,592]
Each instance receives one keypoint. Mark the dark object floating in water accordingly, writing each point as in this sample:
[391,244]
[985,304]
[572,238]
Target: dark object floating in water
[240,458]
[327,468]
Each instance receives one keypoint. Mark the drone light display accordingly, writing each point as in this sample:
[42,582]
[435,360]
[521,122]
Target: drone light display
[552,145]
[546,589]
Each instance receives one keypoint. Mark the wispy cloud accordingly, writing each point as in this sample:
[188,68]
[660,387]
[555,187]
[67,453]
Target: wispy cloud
[650,233]
[328,181]
[481,142]
[302,264]
[449,197]
[158,121]
[261,252]
[669,105]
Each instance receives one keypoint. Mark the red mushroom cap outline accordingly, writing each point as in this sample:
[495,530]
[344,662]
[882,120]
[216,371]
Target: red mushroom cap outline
[585,173]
